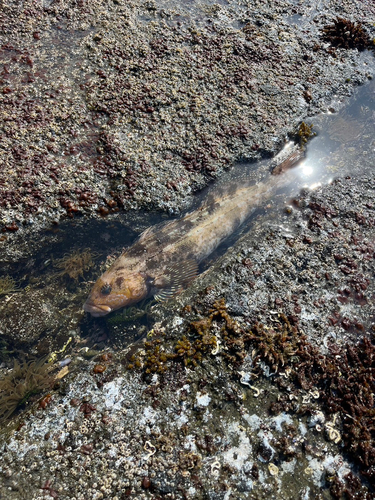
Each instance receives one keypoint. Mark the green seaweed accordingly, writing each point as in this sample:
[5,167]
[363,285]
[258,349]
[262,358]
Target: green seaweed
[129,314]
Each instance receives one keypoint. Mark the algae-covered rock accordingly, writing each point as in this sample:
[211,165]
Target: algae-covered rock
[32,315]
[257,381]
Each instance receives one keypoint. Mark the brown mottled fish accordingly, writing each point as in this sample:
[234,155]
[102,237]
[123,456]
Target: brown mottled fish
[165,258]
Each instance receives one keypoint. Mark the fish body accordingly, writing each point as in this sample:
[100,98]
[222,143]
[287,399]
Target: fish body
[165,258]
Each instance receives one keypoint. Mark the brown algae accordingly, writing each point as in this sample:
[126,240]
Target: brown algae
[345,34]
[305,133]
[8,285]
[25,380]
[75,264]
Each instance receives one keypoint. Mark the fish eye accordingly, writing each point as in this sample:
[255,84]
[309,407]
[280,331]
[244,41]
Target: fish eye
[106,289]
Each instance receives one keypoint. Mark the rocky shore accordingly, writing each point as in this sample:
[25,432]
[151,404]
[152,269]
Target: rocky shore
[258,381]
[111,106]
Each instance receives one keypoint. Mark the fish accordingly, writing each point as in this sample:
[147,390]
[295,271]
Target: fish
[165,259]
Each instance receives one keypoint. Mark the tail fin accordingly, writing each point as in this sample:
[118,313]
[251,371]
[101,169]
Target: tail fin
[287,159]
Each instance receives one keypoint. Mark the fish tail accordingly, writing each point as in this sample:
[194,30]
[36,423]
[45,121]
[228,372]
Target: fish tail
[287,160]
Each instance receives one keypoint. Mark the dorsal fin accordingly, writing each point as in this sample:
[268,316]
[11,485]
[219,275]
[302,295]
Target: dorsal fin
[154,230]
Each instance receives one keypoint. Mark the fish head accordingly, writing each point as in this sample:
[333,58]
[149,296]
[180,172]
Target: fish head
[112,292]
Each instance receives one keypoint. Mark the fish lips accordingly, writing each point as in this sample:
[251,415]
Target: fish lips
[95,309]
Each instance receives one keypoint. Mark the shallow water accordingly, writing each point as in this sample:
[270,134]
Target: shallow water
[344,145]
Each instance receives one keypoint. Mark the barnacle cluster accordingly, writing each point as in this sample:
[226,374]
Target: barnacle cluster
[189,460]
[8,285]
[26,379]
[346,34]
[75,264]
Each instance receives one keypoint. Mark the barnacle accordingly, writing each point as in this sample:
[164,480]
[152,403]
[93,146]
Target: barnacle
[24,381]
[346,34]
[189,460]
[75,264]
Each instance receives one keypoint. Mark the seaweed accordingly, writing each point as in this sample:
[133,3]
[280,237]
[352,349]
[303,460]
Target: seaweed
[25,380]
[349,487]
[75,264]
[156,358]
[346,34]
[192,352]
[4,349]
[345,380]
[274,346]
[132,313]
[8,285]
[304,134]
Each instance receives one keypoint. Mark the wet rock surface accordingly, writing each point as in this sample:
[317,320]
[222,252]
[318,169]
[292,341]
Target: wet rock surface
[257,382]
[112,106]
[236,391]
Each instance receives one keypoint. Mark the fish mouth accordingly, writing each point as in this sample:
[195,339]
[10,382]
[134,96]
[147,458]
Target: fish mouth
[96,310]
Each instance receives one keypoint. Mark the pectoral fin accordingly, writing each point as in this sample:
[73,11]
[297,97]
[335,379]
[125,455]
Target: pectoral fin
[177,278]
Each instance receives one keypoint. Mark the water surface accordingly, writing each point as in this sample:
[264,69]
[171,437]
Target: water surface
[344,145]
